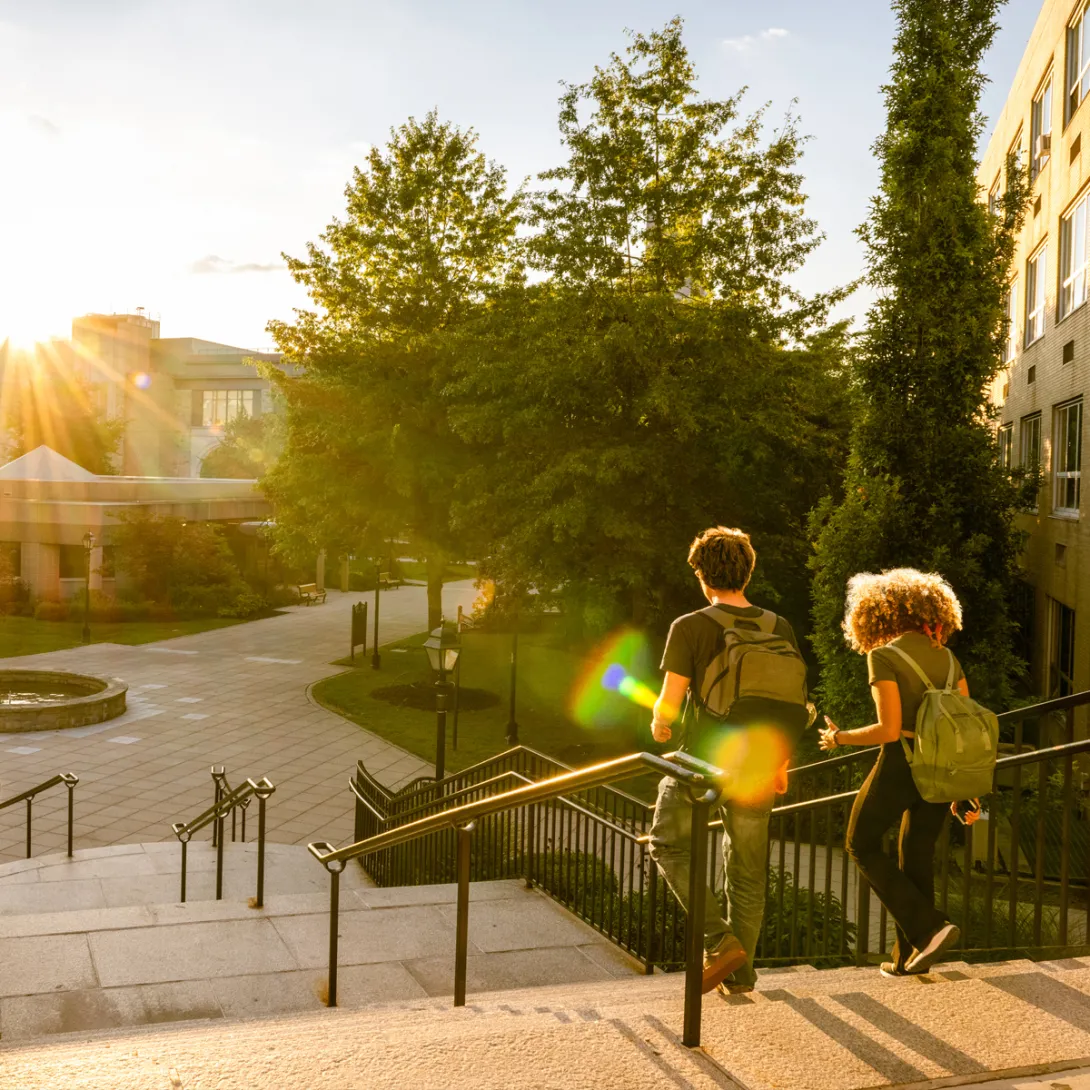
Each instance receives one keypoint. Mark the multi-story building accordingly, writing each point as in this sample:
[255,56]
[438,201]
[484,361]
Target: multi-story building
[175,394]
[1044,392]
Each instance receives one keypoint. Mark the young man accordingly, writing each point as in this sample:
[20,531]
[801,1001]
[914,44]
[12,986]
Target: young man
[723,561]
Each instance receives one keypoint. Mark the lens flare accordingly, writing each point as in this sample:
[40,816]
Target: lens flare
[752,757]
[141,379]
[610,683]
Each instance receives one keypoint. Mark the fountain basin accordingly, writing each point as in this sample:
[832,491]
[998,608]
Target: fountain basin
[32,700]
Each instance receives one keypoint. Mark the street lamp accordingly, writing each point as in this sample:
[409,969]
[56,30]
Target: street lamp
[443,647]
[88,546]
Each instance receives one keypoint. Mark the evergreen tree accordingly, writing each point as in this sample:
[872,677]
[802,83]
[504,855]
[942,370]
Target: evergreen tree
[923,486]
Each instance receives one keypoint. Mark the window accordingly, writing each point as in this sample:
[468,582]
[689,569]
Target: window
[1018,151]
[1010,311]
[1078,62]
[1040,144]
[1035,295]
[1029,447]
[1061,652]
[993,198]
[1073,258]
[73,562]
[1006,446]
[10,560]
[221,406]
[1067,458]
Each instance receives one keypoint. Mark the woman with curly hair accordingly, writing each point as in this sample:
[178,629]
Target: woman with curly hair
[900,612]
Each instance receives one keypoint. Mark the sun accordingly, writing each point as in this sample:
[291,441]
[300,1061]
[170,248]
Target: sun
[23,327]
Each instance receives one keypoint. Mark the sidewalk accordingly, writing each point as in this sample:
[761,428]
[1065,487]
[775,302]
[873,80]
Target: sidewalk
[237,697]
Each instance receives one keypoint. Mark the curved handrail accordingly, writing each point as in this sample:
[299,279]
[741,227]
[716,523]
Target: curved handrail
[679,765]
[69,780]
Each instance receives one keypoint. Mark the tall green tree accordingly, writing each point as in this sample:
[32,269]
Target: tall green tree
[665,377]
[923,486]
[429,232]
[248,449]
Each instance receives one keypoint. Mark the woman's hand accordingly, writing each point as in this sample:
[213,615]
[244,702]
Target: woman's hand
[827,739]
[972,816]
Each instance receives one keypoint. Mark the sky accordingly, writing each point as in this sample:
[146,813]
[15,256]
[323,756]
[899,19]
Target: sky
[165,155]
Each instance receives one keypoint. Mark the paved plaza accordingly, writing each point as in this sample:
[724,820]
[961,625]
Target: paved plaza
[237,697]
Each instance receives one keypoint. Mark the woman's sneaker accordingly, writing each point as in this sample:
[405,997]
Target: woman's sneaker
[722,961]
[923,958]
[889,968]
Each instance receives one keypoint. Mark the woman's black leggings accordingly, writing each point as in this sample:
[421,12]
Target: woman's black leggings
[887,798]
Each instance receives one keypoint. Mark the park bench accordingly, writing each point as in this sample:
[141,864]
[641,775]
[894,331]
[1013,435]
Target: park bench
[309,592]
[386,581]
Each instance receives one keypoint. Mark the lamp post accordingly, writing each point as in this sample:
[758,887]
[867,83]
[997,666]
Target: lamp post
[376,658]
[444,648]
[88,545]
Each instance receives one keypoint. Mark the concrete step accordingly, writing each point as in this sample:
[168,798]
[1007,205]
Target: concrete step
[148,874]
[1020,1022]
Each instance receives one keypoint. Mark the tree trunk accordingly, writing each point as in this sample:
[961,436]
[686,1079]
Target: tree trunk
[435,568]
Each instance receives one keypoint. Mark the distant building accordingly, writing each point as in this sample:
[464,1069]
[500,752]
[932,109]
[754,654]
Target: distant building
[175,394]
[1043,392]
[48,503]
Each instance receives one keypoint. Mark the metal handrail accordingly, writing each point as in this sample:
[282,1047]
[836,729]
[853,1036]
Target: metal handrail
[704,781]
[215,815]
[510,774]
[223,787]
[68,779]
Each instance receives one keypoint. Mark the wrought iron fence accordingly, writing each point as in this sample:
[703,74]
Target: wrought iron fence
[1017,883]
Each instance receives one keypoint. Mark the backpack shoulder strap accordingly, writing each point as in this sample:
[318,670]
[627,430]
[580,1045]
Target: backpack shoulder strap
[953,664]
[914,664]
[766,622]
[725,619]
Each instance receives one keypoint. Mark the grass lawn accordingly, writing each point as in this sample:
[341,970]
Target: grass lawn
[546,675]
[26,636]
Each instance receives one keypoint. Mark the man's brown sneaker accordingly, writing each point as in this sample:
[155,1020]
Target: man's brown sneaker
[722,961]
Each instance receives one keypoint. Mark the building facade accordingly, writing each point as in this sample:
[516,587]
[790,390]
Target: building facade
[175,394]
[1043,393]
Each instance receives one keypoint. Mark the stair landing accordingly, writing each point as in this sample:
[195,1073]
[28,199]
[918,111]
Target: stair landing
[150,960]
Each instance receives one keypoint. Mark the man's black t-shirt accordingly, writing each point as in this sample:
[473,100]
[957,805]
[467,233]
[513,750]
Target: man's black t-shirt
[693,641]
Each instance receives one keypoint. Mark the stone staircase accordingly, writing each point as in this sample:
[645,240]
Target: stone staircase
[133,991]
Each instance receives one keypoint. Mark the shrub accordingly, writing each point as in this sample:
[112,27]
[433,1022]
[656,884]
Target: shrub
[51,611]
[247,603]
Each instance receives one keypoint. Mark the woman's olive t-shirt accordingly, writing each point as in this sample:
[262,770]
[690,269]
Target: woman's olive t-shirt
[886,665]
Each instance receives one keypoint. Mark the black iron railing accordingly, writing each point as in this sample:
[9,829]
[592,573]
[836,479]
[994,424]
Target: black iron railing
[516,847]
[69,780]
[1016,883]
[228,800]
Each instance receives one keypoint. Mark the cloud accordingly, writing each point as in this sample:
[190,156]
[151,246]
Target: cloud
[211,263]
[748,41]
[44,125]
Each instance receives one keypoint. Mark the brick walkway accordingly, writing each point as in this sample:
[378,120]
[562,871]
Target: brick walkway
[237,697]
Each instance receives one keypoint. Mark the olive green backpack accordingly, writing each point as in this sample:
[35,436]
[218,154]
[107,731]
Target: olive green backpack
[957,741]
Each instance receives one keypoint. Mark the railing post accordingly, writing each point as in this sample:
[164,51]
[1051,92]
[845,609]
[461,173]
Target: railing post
[653,915]
[217,828]
[185,849]
[531,845]
[29,817]
[694,923]
[263,790]
[217,779]
[461,946]
[334,924]
[862,922]
[71,785]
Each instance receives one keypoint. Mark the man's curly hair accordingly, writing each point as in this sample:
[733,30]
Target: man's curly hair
[882,607]
[723,558]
